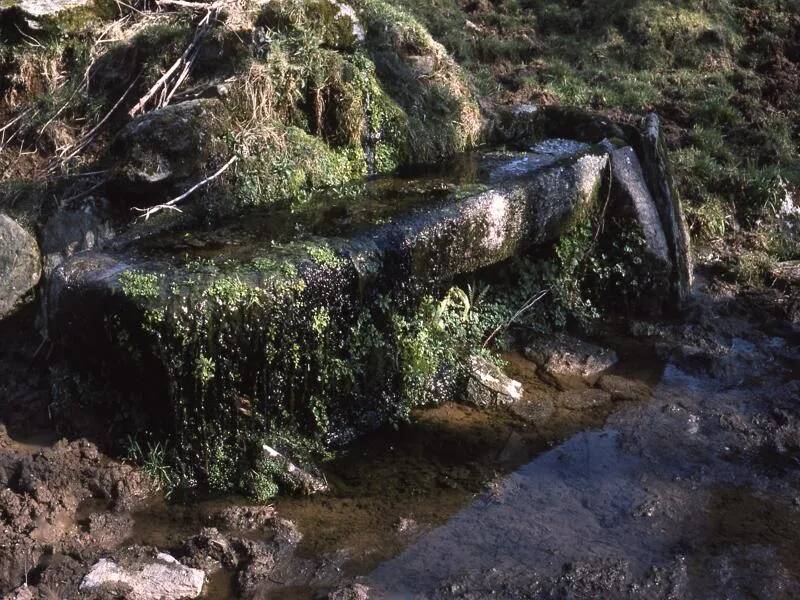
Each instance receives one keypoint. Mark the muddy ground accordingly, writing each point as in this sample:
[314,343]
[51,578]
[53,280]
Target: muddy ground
[675,475]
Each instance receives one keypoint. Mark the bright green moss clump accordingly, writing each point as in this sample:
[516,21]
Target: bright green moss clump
[139,285]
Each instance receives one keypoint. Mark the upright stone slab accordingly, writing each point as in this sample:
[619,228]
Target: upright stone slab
[652,152]
[633,198]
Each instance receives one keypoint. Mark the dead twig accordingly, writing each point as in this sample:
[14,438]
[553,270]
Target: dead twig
[85,192]
[146,213]
[89,136]
[184,74]
[126,5]
[60,110]
[522,310]
[602,220]
[14,120]
[189,5]
[29,39]
[182,66]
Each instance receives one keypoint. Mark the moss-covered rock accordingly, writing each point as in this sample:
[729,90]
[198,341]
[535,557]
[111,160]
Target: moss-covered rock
[441,114]
[295,341]
[165,151]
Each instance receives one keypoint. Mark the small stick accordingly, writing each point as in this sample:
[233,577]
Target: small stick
[33,43]
[86,174]
[149,212]
[184,74]
[184,4]
[14,120]
[528,305]
[85,192]
[202,28]
[60,110]
[88,137]
[133,8]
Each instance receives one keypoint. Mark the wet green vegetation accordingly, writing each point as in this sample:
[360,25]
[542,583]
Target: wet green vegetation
[295,351]
[269,352]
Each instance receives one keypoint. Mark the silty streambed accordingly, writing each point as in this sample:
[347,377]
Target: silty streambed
[394,487]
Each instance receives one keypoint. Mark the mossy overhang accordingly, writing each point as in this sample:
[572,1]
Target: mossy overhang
[425,245]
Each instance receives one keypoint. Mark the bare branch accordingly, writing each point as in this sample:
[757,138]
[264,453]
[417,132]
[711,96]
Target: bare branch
[523,309]
[189,5]
[171,205]
[183,63]
[96,186]
[84,141]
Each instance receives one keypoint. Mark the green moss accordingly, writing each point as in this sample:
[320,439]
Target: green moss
[324,256]
[752,267]
[304,163]
[139,285]
[441,117]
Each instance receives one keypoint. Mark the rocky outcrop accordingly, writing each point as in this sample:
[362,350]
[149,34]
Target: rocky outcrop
[74,229]
[20,265]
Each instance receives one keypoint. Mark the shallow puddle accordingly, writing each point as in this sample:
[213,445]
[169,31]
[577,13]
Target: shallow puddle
[394,486]
[656,504]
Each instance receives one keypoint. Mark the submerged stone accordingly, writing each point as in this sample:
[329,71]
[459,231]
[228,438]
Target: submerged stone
[562,354]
